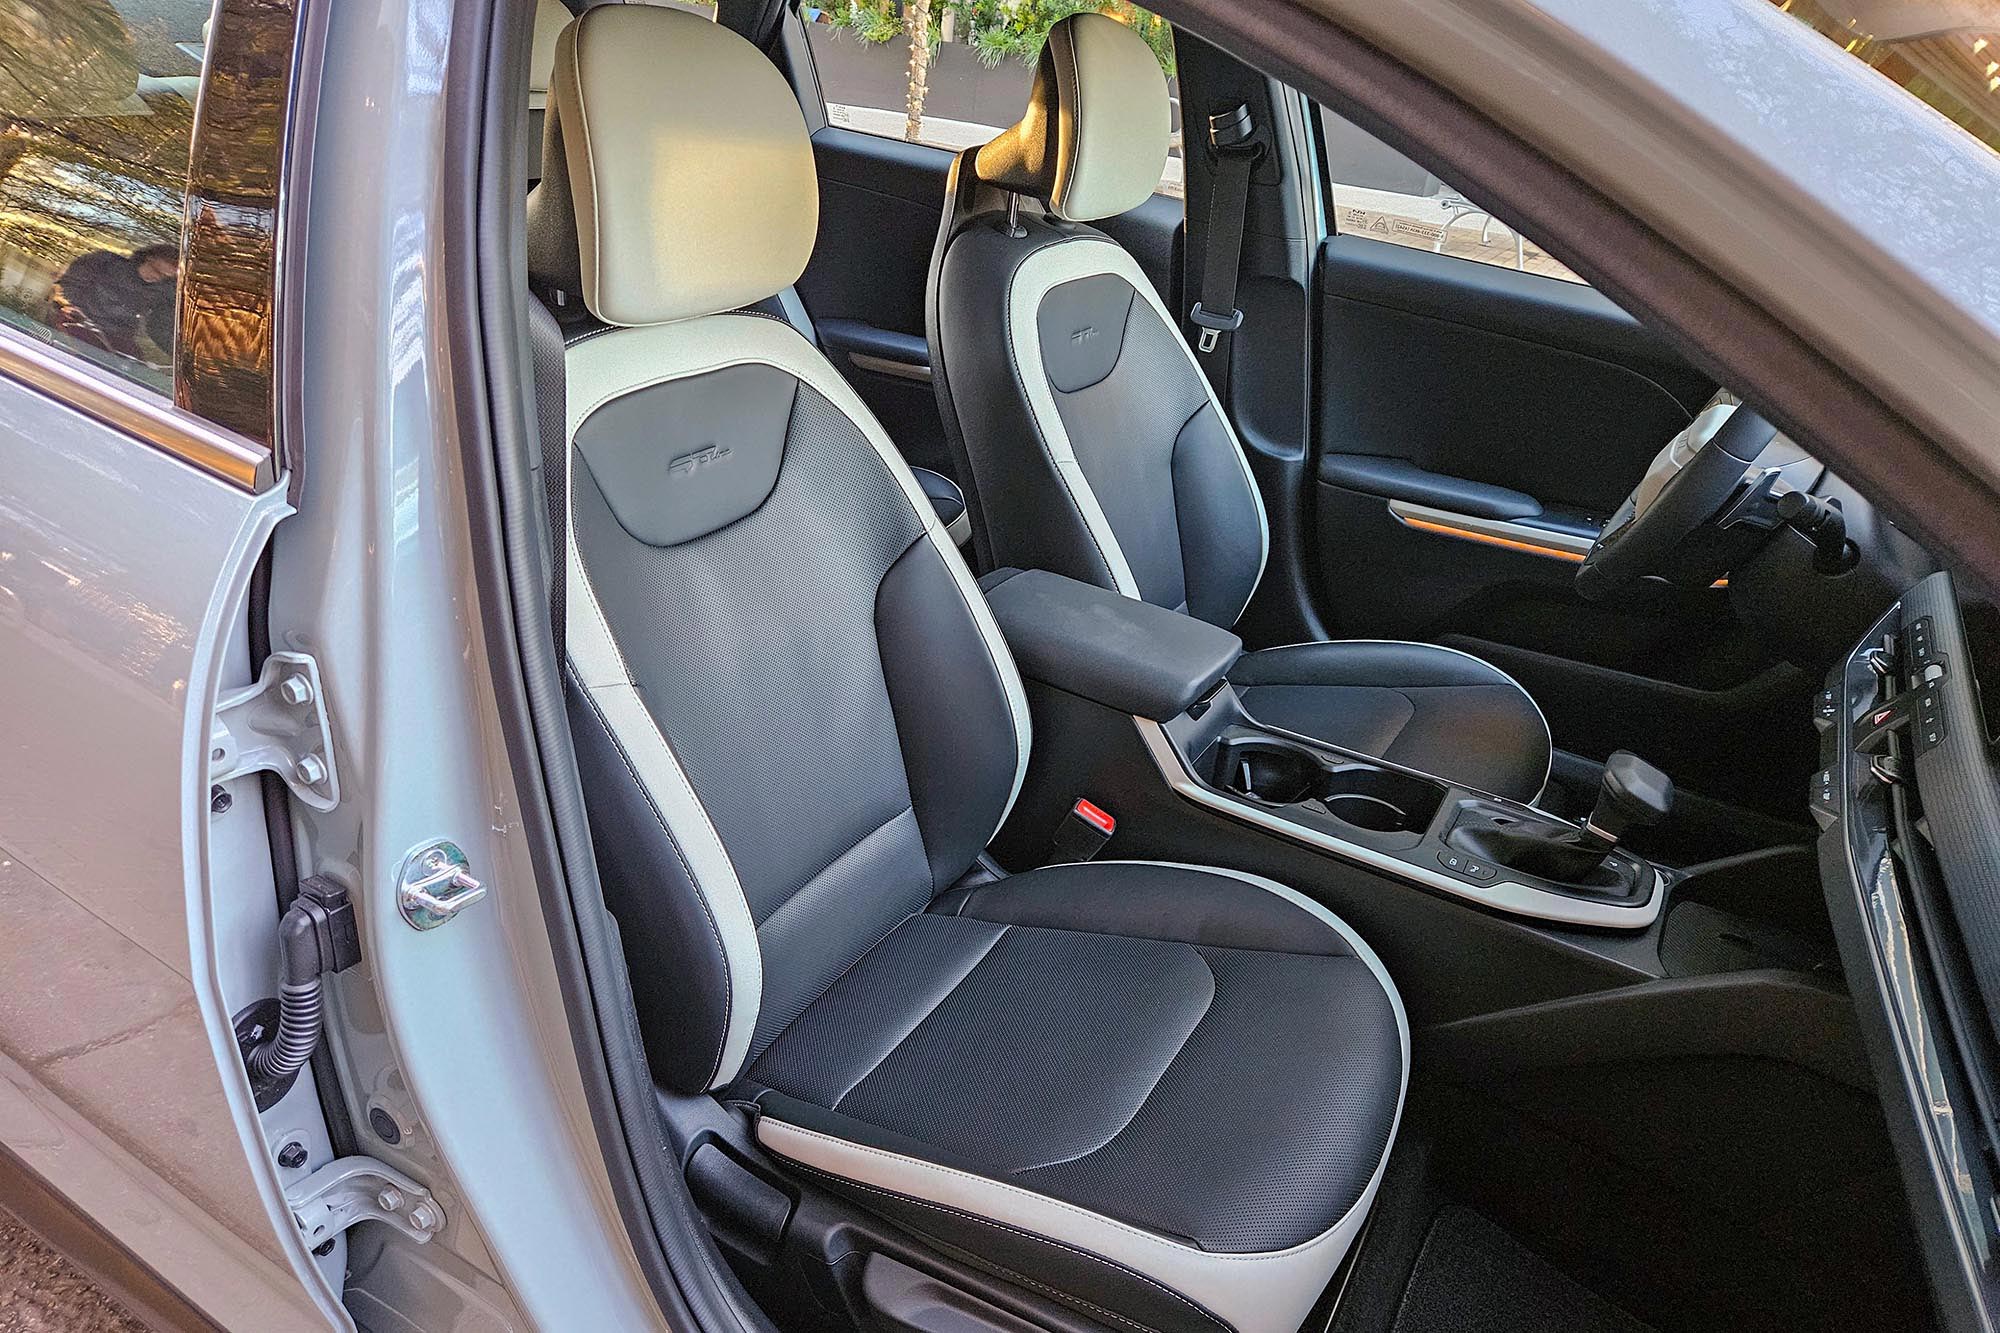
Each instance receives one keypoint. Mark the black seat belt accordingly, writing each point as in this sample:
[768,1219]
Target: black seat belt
[1230,134]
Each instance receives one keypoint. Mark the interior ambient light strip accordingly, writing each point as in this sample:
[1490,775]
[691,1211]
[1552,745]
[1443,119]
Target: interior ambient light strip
[1492,532]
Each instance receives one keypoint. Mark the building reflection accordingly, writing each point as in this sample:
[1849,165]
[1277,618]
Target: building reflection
[1946,52]
[96,117]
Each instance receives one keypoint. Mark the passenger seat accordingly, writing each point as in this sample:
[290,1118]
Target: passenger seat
[1161,1096]
[1091,444]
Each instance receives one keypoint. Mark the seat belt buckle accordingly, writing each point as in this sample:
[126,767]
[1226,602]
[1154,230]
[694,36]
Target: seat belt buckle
[1213,326]
[1082,834]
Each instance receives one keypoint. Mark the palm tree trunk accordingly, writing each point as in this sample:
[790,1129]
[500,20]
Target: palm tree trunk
[917,22]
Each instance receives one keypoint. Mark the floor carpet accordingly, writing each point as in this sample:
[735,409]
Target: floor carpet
[1472,1277]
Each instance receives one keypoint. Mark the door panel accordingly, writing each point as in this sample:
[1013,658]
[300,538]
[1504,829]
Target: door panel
[1488,375]
[880,203]
[121,577]
[1474,426]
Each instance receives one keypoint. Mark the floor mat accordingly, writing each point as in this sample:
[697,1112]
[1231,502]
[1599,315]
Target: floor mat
[1472,1277]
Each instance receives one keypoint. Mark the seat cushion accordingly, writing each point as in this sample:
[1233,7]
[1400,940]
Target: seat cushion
[1165,1092]
[1436,710]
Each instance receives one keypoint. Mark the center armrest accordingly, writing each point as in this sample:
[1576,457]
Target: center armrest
[1114,650]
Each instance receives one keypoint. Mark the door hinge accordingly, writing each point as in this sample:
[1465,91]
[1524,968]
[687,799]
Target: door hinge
[361,1189]
[278,724]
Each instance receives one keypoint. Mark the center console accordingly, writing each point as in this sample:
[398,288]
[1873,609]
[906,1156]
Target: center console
[1167,672]
[1420,828]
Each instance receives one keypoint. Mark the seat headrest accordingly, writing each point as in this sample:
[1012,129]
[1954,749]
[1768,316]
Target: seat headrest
[677,179]
[1094,137]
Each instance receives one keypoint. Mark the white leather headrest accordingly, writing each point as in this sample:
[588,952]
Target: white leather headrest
[677,179]
[550,19]
[1094,138]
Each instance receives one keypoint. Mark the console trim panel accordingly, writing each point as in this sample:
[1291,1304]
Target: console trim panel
[1504,895]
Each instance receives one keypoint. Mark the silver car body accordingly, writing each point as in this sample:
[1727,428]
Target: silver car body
[134,921]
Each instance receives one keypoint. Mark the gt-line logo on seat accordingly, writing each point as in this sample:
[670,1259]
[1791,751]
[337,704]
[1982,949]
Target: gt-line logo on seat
[689,464]
[1084,334]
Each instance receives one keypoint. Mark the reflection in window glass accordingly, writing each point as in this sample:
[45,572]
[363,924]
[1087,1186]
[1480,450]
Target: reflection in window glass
[96,116]
[1945,55]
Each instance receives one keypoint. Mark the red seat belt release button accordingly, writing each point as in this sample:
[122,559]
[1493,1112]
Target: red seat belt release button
[1085,830]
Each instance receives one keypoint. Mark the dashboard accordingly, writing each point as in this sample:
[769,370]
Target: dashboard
[1908,802]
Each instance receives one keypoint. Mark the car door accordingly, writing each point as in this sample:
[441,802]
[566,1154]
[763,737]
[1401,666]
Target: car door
[1479,411]
[882,193]
[138,487]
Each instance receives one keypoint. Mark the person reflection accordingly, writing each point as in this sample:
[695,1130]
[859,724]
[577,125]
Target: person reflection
[107,300]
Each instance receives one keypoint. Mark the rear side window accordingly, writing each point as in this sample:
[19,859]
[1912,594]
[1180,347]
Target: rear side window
[969,75]
[97,103]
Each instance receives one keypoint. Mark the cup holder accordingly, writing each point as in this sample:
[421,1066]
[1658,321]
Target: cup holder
[1380,799]
[1275,772]
[1270,772]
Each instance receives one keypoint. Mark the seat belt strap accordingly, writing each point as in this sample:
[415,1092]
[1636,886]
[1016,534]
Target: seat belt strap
[1215,313]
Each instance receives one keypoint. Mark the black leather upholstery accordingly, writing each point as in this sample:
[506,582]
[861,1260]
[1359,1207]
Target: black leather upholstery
[1093,448]
[758,649]
[1021,513]
[715,483]
[1425,707]
[797,728]
[1098,1036]
[659,903]
[1103,1034]
[1117,651]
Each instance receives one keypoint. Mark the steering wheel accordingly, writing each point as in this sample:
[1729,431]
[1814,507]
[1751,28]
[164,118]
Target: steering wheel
[1659,530]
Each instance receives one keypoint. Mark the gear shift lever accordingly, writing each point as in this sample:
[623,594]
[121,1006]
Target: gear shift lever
[1634,794]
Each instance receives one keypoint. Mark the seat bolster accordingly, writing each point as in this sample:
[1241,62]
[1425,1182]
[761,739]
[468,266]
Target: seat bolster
[695,984]
[1152,900]
[950,700]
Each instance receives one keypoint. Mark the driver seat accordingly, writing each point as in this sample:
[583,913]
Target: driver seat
[1093,446]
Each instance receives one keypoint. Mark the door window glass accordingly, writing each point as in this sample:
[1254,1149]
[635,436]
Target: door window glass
[1377,192]
[97,102]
